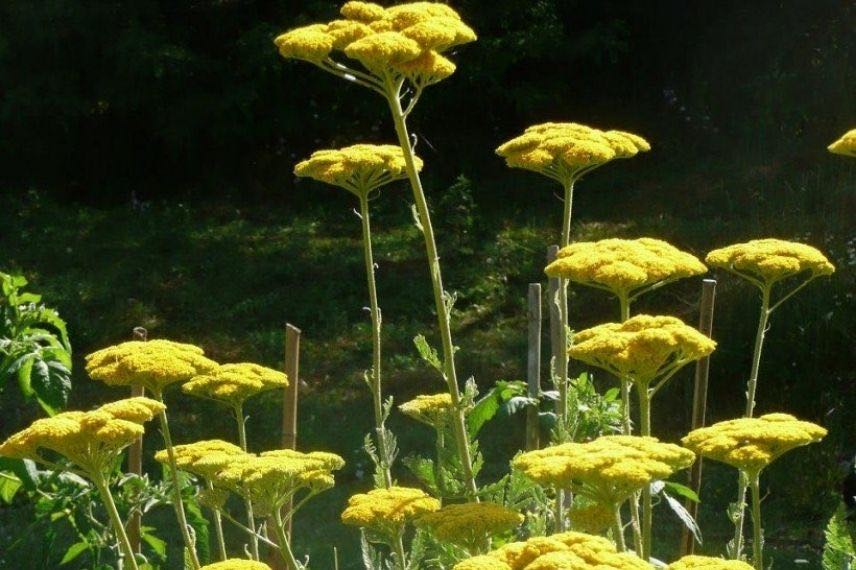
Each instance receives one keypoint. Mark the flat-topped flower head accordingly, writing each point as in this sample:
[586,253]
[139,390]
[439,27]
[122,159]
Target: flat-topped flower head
[236,564]
[188,455]
[90,440]
[386,511]
[232,384]
[764,262]
[432,409]
[846,145]
[469,524]
[359,169]
[365,12]
[608,469]
[624,267]
[564,551]
[567,151]
[695,562]
[641,348]
[311,43]
[591,517]
[750,444]
[154,364]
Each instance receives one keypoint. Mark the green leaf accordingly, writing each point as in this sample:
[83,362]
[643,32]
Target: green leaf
[487,407]
[684,515]
[73,552]
[155,543]
[839,552]
[682,490]
[9,486]
[428,353]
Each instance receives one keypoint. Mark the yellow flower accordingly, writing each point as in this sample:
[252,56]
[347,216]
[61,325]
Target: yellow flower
[566,151]
[608,469]
[427,69]
[360,168]
[482,563]
[383,50]
[236,564]
[387,510]
[766,261]
[362,11]
[469,524]
[591,517]
[693,562]
[846,145]
[570,560]
[642,348]
[311,43]
[432,409]
[346,32]
[153,365]
[234,383]
[91,440]
[624,266]
[750,444]
[188,455]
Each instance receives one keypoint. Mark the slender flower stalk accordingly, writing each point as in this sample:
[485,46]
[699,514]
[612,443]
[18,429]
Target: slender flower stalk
[218,525]
[251,517]
[115,520]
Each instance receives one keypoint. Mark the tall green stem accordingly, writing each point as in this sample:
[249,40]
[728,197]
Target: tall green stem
[645,430]
[251,518]
[398,545]
[218,526]
[751,389]
[118,526]
[627,429]
[377,394]
[459,426]
[618,528]
[176,491]
[284,543]
[757,530]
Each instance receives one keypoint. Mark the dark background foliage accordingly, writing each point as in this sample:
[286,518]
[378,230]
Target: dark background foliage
[146,150]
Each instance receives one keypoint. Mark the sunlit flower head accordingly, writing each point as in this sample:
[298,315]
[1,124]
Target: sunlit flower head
[154,364]
[433,409]
[234,383]
[694,562]
[386,511]
[608,469]
[750,444]
[846,145]
[567,151]
[360,168]
[91,440]
[469,524]
[624,266]
[591,517]
[766,261]
[642,348]
[189,455]
[236,564]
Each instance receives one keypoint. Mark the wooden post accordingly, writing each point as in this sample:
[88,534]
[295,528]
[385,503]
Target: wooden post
[557,351]
[135,458]
[533,368]
[705,326]
[289,419]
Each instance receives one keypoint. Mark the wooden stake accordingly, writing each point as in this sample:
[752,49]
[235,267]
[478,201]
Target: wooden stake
[705,326]
[135,459]
[533,368]
[557,351]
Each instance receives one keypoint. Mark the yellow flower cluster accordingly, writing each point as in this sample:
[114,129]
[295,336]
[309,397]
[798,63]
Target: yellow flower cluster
[234,383]
[202,458]
[693,562]
[236,564]
[846,145]
[750,444]
[359,168]
[469,524]
[565,551]
[387,510]
[608,469]
[766,261]
[593,518]
[90,440]
[623,266]
[566,151]
[154,364]
[432,409]
[401,41]
[641,348]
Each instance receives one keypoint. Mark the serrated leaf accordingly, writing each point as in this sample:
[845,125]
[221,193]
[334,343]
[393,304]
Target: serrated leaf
[73,552]
[428,353]
[839,551]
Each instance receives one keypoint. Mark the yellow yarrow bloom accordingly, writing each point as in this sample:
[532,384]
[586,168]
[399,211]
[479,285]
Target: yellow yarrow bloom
[483,562]
[189,455]
[362,11]
[750,444]
[767,261]
[311,43]
[566,151]
[432,409]
[694,562]
[642,348]
[359,168]
[591,517]
[623,266]
[236,564]
[846,145]
[154,364]
[387,510]
[427,69]
[569,560]
[608,469]
[469,524]
[234,383]
[91,440]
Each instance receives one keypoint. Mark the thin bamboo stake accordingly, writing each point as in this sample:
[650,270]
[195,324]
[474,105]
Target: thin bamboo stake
[135,459]
[705,326]
[533,369]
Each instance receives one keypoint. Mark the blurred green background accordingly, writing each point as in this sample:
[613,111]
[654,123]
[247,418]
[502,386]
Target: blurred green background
[146,150]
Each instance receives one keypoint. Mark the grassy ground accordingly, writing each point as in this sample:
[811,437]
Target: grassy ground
[228,277]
